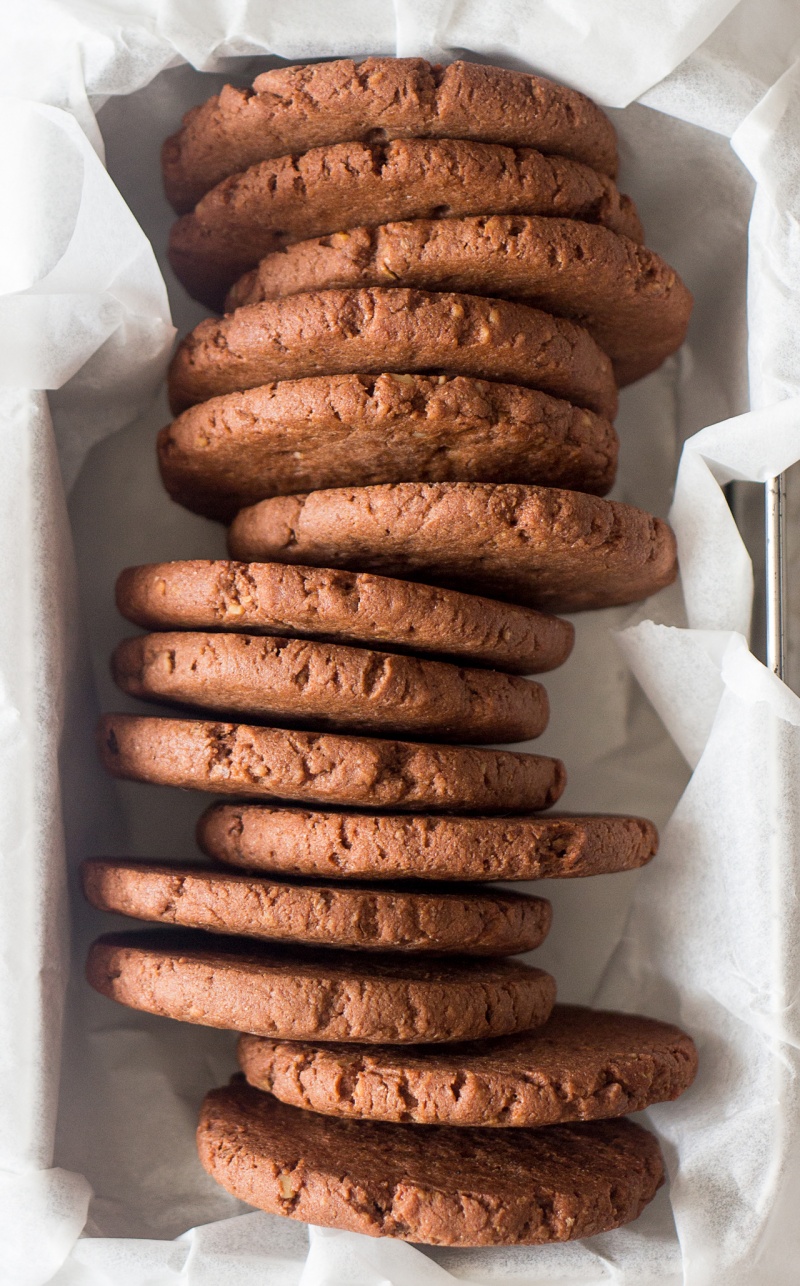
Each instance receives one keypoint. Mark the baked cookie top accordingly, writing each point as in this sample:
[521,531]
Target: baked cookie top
[308,683]
[542,547]
[322,767]
[374,329]
[582,1065]
[352,845]
[344,606]
[300,994]
[292,109]
[329,189]
[356,917]
[632,303]
[434,1184]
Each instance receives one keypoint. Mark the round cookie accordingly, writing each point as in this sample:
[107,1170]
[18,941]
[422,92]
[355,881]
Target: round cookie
[315,994]
[632,303]
[428,1184]
[562,551]
[302,683]
[351,607]
[368,846]
[313,767]
[582,1065]
[292,109]
[328,189]
[359,430]
[339,332]
[352,917]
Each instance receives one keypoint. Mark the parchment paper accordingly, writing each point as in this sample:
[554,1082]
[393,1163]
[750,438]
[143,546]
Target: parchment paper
[705,936]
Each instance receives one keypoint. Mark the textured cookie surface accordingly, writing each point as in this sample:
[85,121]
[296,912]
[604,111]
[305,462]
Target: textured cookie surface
[271,763]
[348,430]
[302,682]
[631,301]
[272,598]
[315,994]
[295,841]
[357,917]
[292,109]
[542,547]
[428,1184]
[374,330]
[328,189]
[582,1065]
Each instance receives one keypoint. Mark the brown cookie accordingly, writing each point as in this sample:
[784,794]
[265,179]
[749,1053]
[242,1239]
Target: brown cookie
[302,683]
[338,332]
[353,607]
[294,841]
[632,303]
[582,1065]
[428,1184]
[328,189]
[558,550]
[317,995]
[359,430]
[292,109]
[354,917]
[271,763]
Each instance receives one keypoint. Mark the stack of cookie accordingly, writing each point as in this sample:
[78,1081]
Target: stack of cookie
[434,288]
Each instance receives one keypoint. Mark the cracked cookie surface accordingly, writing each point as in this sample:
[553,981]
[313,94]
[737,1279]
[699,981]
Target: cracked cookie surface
[272,763]
[354,917]
[582,1065]
[306,993]
[335,430]
[538,546]
[304,683]
[376,330]
[428,1184]
[330,189]
[351,845]
[343,606]
[292,109]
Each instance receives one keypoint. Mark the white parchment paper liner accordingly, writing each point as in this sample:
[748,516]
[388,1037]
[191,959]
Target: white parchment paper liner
[706,935]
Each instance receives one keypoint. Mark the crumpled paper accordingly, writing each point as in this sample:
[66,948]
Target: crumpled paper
[704,936]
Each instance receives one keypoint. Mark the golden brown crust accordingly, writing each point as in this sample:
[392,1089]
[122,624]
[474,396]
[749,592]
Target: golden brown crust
[632,303]
[341,332]
[433,1185]
[302,683]
[329,189]
[582,1065]
[271,763]
[362,430]
[295,841]
[348,916]
[292,109]
[543,547]
[303,994]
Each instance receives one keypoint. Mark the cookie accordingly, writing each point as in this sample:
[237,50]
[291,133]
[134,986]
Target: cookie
[359,430]
[558,550]
[294,841]
[328,189]
[354,917]
[340,332]
[428,1184]
[318,767]
[632,303]
[352,607]
[317,995]
[293,109]
[302,683]
[582,1065]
